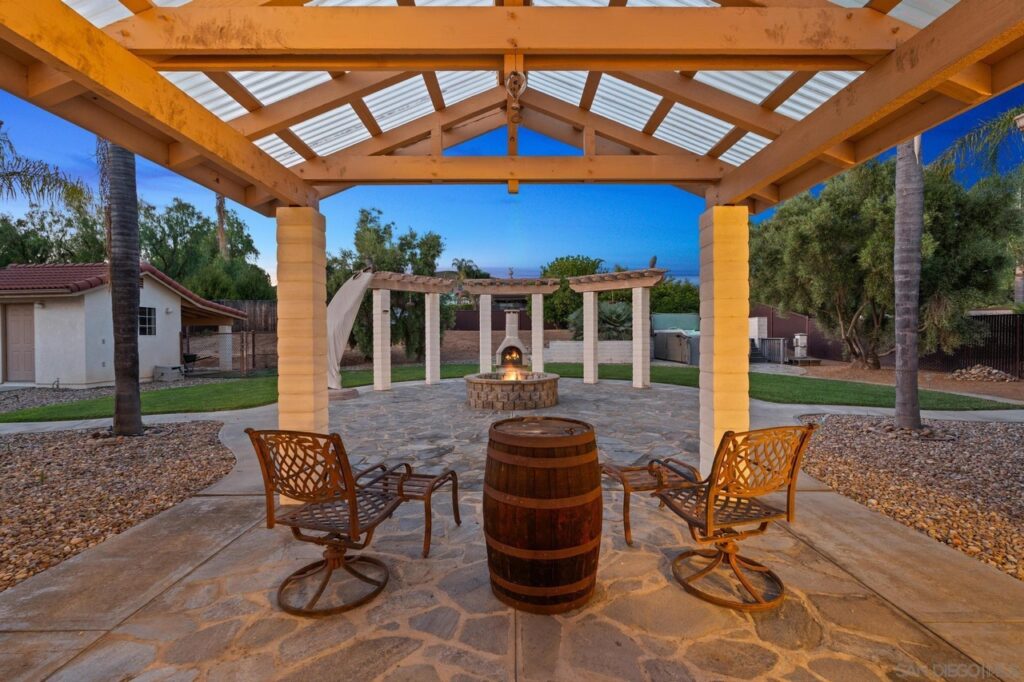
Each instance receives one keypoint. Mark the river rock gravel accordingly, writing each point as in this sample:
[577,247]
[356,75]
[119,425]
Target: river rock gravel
[65,491]
[963,484]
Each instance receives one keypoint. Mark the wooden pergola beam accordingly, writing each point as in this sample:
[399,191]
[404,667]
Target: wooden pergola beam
[510,287]
[401,281]
[963,36]
[54,34]
[611,281]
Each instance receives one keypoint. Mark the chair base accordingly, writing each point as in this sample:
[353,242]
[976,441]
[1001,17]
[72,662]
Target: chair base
[333,560]
[726,553]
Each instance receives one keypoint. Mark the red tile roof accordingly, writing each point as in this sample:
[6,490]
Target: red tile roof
[71,278]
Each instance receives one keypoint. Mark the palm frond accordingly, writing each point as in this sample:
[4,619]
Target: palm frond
[33,179]
[985,142]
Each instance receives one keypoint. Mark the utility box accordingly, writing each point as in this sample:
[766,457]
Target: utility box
[167,373]
[799,346]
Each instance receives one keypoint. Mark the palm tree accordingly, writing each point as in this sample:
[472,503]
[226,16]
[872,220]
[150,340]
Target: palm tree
[907,278]
[34,180]
[222,240]
[123,201]
[986,143]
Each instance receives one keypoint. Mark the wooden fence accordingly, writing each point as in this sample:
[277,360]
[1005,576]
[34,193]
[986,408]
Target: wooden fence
[261,315]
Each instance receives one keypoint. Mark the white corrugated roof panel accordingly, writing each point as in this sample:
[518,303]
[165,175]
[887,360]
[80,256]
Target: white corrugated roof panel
[203,90]
[691,129]
[454,3]
[272,86]
[400,103]
[459,85]
[816,92]
[624,102]
[352,3]
[332,130]
[571,3]
[564,85]
[104,12]
[748,145]
[752,86]
[273,145]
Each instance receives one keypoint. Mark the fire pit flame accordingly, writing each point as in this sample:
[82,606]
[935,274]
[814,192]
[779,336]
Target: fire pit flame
[512,373]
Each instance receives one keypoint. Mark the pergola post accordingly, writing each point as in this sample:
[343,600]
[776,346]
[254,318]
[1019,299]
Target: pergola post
[537,324]
[302,320]
[641,337]
[724,313]
[432,342]
[381,339]
[485,333]
[590,337]
[224,348]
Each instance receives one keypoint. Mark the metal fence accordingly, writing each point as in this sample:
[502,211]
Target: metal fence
[1002,348]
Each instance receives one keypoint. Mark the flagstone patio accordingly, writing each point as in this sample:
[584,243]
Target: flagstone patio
[188,594]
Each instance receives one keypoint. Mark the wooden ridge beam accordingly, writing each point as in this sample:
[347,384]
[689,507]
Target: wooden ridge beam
[966,34]
[491,169]
[54,34]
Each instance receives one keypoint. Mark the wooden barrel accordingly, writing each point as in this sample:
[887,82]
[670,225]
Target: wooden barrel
[542,512]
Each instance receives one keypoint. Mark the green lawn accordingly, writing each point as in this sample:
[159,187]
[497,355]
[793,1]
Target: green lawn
[242,393]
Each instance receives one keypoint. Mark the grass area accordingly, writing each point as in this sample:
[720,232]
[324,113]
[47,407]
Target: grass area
[242,393]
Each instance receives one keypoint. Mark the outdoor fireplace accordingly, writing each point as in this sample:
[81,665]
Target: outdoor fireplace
[512,351]
[512,386]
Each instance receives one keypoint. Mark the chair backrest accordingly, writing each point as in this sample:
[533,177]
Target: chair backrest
[306,467]
[755,463]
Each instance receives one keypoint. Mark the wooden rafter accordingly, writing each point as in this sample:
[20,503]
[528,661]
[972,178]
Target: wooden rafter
[434,90]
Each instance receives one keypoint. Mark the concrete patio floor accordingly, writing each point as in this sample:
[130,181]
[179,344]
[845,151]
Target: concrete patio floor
[189,593]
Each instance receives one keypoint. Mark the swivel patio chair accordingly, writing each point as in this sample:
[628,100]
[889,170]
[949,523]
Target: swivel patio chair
[720,509]
[314,470]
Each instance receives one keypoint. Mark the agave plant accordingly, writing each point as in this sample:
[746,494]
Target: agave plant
[614,322]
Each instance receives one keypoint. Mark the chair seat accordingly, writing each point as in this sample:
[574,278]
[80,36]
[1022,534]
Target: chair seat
[690,503]
[332,516]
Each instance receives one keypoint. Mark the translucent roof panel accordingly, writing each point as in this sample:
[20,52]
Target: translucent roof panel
[752,86]
[920,13]
[748,145]
[454,3]
[564,85]
[273,145]
[333,130]
[104,12]
[352,3]
[624,102]
[203,90]
[691,129]
[459,85]
[816,92]
[571,3]
[270,86]
[400,103]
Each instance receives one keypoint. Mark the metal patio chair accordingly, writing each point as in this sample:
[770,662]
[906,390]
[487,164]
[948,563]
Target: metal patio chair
[720,509]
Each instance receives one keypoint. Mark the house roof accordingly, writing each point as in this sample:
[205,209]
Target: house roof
[72,278]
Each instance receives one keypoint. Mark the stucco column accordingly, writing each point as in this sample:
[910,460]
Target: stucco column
[224,349]
[301,320]
[432,342]
[590,337]
[381,339]
[641,337]
[537,324]
[484,304]
[724,312]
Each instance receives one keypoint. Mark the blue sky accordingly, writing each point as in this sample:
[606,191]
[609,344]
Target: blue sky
[622,224]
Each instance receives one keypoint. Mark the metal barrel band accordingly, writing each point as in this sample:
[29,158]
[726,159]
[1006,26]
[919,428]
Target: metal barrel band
[549,554]
[555,591]
[542,503]
[541,462]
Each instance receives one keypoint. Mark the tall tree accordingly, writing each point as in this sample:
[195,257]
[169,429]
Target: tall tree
[561,304]
[32,179]
[124,289]
[909,231]
[222,239]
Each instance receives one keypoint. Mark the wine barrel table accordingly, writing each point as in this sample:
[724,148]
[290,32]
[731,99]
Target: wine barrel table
[542,512]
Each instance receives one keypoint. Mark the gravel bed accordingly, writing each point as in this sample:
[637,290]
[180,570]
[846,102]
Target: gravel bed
[65,491]
[964,486]
[22,398]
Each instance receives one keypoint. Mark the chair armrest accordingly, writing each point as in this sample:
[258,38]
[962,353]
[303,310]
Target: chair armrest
[369,470]
[681,469]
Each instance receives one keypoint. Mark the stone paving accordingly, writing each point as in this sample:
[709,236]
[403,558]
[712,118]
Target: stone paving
[189,594]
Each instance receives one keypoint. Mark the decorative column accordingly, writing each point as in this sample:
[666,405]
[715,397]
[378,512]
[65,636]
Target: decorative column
[301,320]
[432,342]
[224,349]
[381,339]
[537,323]
[590,337]
[724,313]
[484,303]
[641,337]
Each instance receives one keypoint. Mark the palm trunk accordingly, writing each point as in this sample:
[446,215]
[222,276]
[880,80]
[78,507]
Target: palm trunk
[124,290]
[222,239]
[1018,284]
[907,278]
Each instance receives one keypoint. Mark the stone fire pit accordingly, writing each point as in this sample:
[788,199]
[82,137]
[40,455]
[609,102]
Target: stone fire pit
[530,391]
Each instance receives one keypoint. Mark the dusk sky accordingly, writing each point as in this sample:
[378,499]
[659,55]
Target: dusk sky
[622,224]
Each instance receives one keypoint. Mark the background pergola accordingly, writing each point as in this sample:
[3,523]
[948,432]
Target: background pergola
[278,105]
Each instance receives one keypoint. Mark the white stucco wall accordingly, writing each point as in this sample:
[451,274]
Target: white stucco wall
[59,342]
[608,352]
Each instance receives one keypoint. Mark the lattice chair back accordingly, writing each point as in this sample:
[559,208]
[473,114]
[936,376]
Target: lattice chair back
[306,467]
[754,463]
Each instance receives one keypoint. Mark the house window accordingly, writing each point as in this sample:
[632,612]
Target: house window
[147,321]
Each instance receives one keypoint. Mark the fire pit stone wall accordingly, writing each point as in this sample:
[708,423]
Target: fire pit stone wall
[490,391]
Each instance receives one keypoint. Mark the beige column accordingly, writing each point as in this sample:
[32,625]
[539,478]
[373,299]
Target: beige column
[641,337]
[224,347]
[381,339]
[724,313]
[590,337]
[301,320]
[432,342]
[537,323]
[484,304]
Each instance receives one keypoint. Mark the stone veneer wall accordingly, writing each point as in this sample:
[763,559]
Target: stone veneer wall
[608,352]
[512,395]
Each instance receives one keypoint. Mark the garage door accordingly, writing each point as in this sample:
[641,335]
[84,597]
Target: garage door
[20,345]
